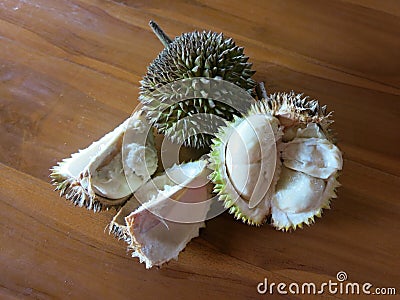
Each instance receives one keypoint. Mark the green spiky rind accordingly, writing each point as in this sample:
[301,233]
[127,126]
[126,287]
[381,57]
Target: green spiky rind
[200,54]
[298,108]
[80,196]
[216,164]
[194,54]
[309,217]
[185,131]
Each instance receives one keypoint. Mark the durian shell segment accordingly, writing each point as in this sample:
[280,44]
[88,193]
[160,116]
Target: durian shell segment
[193,55]
[295,110]
[94,177]
[156,242]
[300,198]
[117,226]
[246,166]
[185,190]
[153,234]
[307,164]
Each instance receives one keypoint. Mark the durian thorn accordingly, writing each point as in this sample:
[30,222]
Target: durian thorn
[165,40]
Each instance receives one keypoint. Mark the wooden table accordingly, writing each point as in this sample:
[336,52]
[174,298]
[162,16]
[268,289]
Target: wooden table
[69,73]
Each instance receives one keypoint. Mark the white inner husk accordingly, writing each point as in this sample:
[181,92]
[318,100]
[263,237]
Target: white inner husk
[99,168]
[154,238]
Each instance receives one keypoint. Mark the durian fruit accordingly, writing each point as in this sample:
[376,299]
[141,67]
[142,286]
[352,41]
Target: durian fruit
[193,55]
[280,159]
[173,210]
[94,177]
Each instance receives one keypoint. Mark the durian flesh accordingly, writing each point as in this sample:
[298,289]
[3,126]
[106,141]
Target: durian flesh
[94,177]
[152,230]
[294,179]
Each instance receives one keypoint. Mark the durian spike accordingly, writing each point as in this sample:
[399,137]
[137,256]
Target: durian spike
[118,227]
[162,36]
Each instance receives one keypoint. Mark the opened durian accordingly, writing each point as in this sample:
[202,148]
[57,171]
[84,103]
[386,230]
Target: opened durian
[193,55]
[279,160]
[173,210]
[95,177]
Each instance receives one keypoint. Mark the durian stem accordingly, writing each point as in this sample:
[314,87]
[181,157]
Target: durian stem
[261,91]
[160,33]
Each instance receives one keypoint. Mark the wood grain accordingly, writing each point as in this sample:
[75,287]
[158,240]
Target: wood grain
[69,73]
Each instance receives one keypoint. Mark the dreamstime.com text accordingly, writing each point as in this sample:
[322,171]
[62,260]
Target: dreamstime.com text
[339,287]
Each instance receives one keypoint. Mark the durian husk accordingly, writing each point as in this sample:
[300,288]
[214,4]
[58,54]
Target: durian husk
[151,235]
[78,178]
[118,226]
[294,109]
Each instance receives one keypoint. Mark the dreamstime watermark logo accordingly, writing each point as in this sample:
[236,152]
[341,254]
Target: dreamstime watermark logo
[170,99]
[340,286]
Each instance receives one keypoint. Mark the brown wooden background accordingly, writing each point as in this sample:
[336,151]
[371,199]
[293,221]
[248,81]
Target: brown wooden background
[69,73]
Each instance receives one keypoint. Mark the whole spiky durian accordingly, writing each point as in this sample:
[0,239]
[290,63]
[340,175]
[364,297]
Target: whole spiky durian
[280,160]
[193,55]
